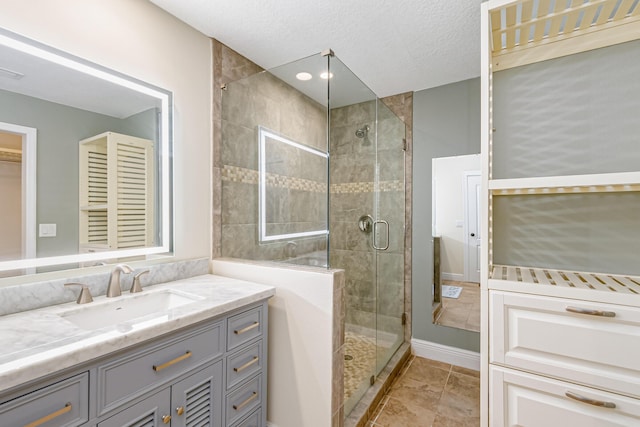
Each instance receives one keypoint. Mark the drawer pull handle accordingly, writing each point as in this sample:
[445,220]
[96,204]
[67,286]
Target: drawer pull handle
[593,402]
[248,400]
[180,410]
[247,329]
[158,368]
[56,414]
[246,365]
[590,312]
[166,419]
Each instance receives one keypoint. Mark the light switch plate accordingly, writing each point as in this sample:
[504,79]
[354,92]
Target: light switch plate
[48,230]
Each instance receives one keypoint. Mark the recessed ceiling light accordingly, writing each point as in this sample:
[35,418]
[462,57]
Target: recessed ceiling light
[326,75]
[304,76]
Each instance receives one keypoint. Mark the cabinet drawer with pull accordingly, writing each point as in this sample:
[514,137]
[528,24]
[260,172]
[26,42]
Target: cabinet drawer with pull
[244,364]
[253,420]
[64,403]
[135,372]
[521,399]
[244,327]
[591,343]
[245,399]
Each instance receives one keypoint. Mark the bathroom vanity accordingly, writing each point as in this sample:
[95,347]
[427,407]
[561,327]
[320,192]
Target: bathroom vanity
[198,360]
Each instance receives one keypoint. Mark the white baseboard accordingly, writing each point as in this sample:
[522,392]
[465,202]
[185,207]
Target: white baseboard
[452,276]
[444,353]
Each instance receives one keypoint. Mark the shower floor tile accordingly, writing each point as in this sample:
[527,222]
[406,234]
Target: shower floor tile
[361,355]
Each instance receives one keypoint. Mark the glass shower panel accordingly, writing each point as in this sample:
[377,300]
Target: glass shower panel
[275,165]
[352,119]
[389,234]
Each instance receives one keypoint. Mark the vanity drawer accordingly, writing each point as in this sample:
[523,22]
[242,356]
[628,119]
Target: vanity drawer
[244,327]
[550,336]
[521,399]
[244,364]
[244,400]
[136,372]
[252,420]
[64,403]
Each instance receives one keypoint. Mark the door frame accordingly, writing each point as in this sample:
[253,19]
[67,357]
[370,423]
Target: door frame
[465,240]
[29,144]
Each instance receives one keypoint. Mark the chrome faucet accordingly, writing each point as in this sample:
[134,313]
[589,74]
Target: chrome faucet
[114,289]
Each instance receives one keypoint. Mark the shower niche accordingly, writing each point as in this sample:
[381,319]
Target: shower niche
[307,149]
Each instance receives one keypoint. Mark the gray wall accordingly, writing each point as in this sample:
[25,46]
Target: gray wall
[59,130]
[446,122]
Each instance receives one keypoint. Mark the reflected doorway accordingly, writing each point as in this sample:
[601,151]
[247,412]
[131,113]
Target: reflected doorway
[18,191]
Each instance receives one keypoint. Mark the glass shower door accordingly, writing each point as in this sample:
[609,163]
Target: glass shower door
[389,234]
[366,217]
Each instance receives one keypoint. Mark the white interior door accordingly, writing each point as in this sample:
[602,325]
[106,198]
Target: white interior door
[472,240]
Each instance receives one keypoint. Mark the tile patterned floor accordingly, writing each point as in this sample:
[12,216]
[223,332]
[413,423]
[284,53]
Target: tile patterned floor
[431,394]
[462,312]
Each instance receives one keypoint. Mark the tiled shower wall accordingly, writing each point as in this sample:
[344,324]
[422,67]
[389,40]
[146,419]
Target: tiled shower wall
[297,192]
[402,106]
[353,194]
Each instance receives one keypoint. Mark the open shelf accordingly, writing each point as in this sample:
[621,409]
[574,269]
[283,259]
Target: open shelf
[593,183]
[614,288]
[523,32]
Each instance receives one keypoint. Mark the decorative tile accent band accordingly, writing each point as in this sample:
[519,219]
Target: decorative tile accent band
[367,187]
[250,176]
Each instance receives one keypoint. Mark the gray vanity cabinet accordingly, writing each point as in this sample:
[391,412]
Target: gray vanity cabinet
[64,403]
[212,374]
[193,401]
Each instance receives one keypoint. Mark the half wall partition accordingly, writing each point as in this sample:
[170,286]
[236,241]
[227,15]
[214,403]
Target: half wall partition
[313,175]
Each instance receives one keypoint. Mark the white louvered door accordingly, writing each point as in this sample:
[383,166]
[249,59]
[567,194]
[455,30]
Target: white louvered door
[116,192]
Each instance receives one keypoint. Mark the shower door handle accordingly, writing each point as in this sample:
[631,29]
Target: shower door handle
[373,235]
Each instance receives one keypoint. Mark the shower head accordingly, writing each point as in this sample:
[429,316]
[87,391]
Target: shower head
[363,131]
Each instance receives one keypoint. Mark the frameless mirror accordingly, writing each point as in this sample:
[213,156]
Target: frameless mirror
[84,161]
[456,224]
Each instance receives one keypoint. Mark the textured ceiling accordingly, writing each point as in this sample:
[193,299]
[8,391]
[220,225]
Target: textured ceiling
[394,46]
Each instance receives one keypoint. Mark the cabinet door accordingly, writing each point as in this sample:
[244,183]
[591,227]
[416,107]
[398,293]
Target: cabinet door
[154,411]
[197,400]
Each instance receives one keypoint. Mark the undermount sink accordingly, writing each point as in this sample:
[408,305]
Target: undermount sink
[124,309]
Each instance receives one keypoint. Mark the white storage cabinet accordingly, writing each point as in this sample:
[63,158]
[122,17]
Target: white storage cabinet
[560,280]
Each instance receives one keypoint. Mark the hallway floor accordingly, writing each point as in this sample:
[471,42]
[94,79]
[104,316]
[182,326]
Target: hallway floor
[430,393]
[462,312]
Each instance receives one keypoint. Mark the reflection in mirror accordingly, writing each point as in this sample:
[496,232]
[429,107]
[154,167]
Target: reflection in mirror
[84,161]
[293,178]
[456,226]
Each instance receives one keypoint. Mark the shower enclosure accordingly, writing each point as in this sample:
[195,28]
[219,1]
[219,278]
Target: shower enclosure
[313,174]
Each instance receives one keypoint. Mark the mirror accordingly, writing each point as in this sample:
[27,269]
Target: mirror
[84,161]
[456,229]
[293,178]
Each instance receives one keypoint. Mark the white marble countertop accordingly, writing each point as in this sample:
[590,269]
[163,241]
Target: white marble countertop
[38,342]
